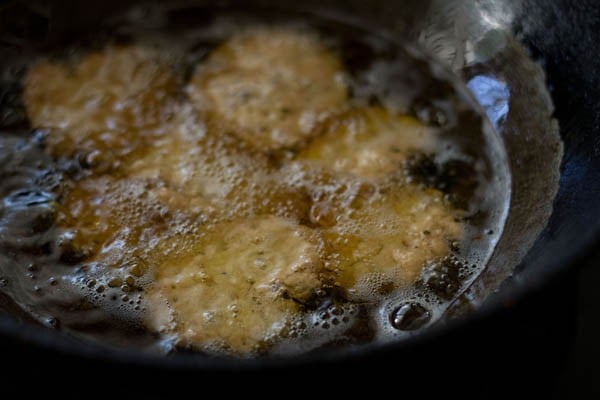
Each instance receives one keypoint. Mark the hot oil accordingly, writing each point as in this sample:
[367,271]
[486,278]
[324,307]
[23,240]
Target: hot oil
[105,290]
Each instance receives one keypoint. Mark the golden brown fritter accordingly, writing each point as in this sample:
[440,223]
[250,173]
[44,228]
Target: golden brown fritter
[271,85]
[105,101]
[241,284]
[378,225]
[201,161]
[368,143]
[116,221]
[383,230]
[399,232]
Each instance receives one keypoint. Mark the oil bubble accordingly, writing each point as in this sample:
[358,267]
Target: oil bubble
[409,317]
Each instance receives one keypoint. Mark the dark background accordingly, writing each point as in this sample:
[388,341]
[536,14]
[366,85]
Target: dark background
[580,373]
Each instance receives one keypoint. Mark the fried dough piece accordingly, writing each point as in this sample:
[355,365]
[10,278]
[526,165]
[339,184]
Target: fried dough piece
[379,226]
[200,160]
[117,221]
[200,163]
[241,285]
[390,237]
[272,85]
[387,231]
[368,143]
[103,102]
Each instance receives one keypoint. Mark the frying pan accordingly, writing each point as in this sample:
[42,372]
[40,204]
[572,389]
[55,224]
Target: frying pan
[554,218]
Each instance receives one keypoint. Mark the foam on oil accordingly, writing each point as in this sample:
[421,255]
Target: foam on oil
[63,288]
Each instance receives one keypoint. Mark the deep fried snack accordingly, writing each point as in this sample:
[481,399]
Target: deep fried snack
[241,285]
[379,225]
[271,85]
[103,102]
[368,143]
[400,231]
[203,161]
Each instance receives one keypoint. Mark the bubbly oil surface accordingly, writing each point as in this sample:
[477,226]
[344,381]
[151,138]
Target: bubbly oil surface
[247,187]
